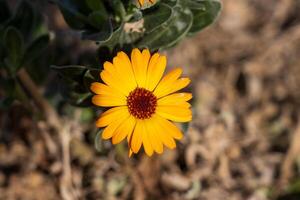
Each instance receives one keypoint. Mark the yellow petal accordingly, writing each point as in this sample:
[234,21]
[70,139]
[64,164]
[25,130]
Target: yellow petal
[145,62]
[167,125]
[146,141]
[173,98]
[124,129]
[111,115]
[151,69]
[157,66]
[136,141]
[173,113]
[181,104]
[125,71]
[154,136]
[123,65]
[167,82]
[108,66]
[163,133]
[100,88]
[109,131]
[108,101]
[130,153]
[121,74]
[117,74]
[141,2]
[114,82]
[125,59]
[178,85]
[139,67]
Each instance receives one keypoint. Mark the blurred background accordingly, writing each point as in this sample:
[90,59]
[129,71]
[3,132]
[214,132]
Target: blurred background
[243,142]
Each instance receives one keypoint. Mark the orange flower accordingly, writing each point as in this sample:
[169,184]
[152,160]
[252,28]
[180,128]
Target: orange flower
[142,2]
[144,102]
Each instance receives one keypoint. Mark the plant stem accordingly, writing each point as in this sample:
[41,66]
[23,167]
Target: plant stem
[49,113]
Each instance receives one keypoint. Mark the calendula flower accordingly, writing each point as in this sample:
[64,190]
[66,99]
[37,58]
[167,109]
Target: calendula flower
[144,102]
[142,2]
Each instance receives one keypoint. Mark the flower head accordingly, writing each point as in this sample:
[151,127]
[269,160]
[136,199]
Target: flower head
[142,2]
[143,101]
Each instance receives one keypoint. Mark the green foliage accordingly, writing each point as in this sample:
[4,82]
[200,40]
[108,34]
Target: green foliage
[76,82]
[22,40]
[204,12]
[162,14]
[89,16]
[170,32]
[35,48]
[165,23]
[14,46]
[21,37]
[106,22]
[24,19]
[113,24]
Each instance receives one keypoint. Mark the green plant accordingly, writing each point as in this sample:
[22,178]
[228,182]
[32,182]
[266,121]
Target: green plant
[23,38]
[123,25]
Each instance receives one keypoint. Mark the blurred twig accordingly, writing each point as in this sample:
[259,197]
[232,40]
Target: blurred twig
[49,113]
[49,142]
[67,190]
[66,186]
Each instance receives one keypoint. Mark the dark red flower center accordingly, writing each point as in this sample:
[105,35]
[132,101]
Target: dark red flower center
[141,103]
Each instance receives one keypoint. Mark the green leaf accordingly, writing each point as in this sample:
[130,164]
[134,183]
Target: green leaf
[72,87]
[102,27]
[35,49]
[81,14]
[72,16]
[96,5]
[134,16]
[24,18]
[96,25]
[99,35]
[114,40]
[73,20]
[89,78]
[97,19]
[4,11]
[71,72]
[75,87]
[77,6]
[156,16]
[205,12]
[170,32]
[80,100]
[119,10]
[14,45]
[171,3]
[98,144]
